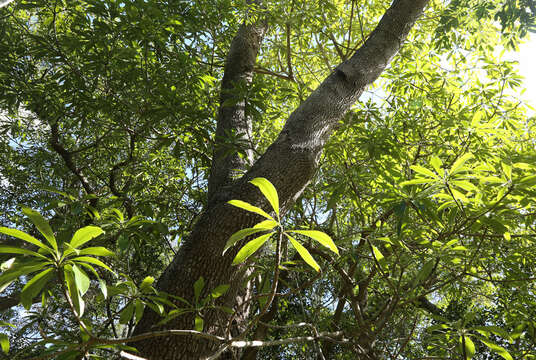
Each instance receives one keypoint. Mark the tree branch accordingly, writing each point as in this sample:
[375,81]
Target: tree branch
[233,122]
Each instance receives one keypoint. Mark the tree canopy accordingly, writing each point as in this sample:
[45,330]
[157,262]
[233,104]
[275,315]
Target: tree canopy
[328,179]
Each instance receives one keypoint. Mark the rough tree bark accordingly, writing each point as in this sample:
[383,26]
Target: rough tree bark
[289,163]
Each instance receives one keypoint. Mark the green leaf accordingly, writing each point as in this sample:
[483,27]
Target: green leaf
[323,238]
[239,235]
[11,275]
[81,280]
[199,323]
[498,349]
[457,166]
[219,291]
[507,170]
[495,330]
[466,185]
[84,235]
[126,313]
[528,180]
[423,171]
[198,287]
[248,249]
[266,225]
[146,283]
[425,272]
[139,310]
[469,347]
[42,225]
[13,250]
[104,288]
[436,164]
[8,264]
[248,207]
[379,256]
[25,237]
[33,287]
[304,253]
[417,181]
[97,251]
[4,342]
[78,302]
[172,314]
[93,261]
[269,192]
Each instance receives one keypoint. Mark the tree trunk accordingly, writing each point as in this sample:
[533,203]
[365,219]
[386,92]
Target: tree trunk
[289,163]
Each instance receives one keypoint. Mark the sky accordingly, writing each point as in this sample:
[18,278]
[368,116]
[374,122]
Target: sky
[527,68]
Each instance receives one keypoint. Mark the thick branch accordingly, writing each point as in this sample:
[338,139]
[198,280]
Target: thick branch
[232,149]
[290,162]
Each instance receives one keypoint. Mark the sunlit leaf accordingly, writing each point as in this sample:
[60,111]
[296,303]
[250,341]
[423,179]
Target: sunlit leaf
[457,166]
[304,253]
[81,279]
[269,192]
[250,248]
[146,283]
[93,261]
[4,343]
[241,234]
[248,207]
[219,291]
[497,349]
[199,323]
[25,237]
[436,164]
[423,171]
[96,251]
[13,250]
[84,235]
[469,347]
[323,238]
[379,256]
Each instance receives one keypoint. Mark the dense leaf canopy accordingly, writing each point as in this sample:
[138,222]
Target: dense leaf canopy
[423,203]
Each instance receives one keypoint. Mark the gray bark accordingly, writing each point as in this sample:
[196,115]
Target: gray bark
[289,163]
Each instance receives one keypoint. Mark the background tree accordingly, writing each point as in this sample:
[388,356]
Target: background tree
[146,118]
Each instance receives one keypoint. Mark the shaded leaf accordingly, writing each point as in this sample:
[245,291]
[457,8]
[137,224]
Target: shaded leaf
[126,313]
[42,225]
[198,287]
[34,286]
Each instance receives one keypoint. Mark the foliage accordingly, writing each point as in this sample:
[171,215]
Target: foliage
[423,204]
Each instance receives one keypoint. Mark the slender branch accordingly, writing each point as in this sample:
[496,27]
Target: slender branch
[67,157]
